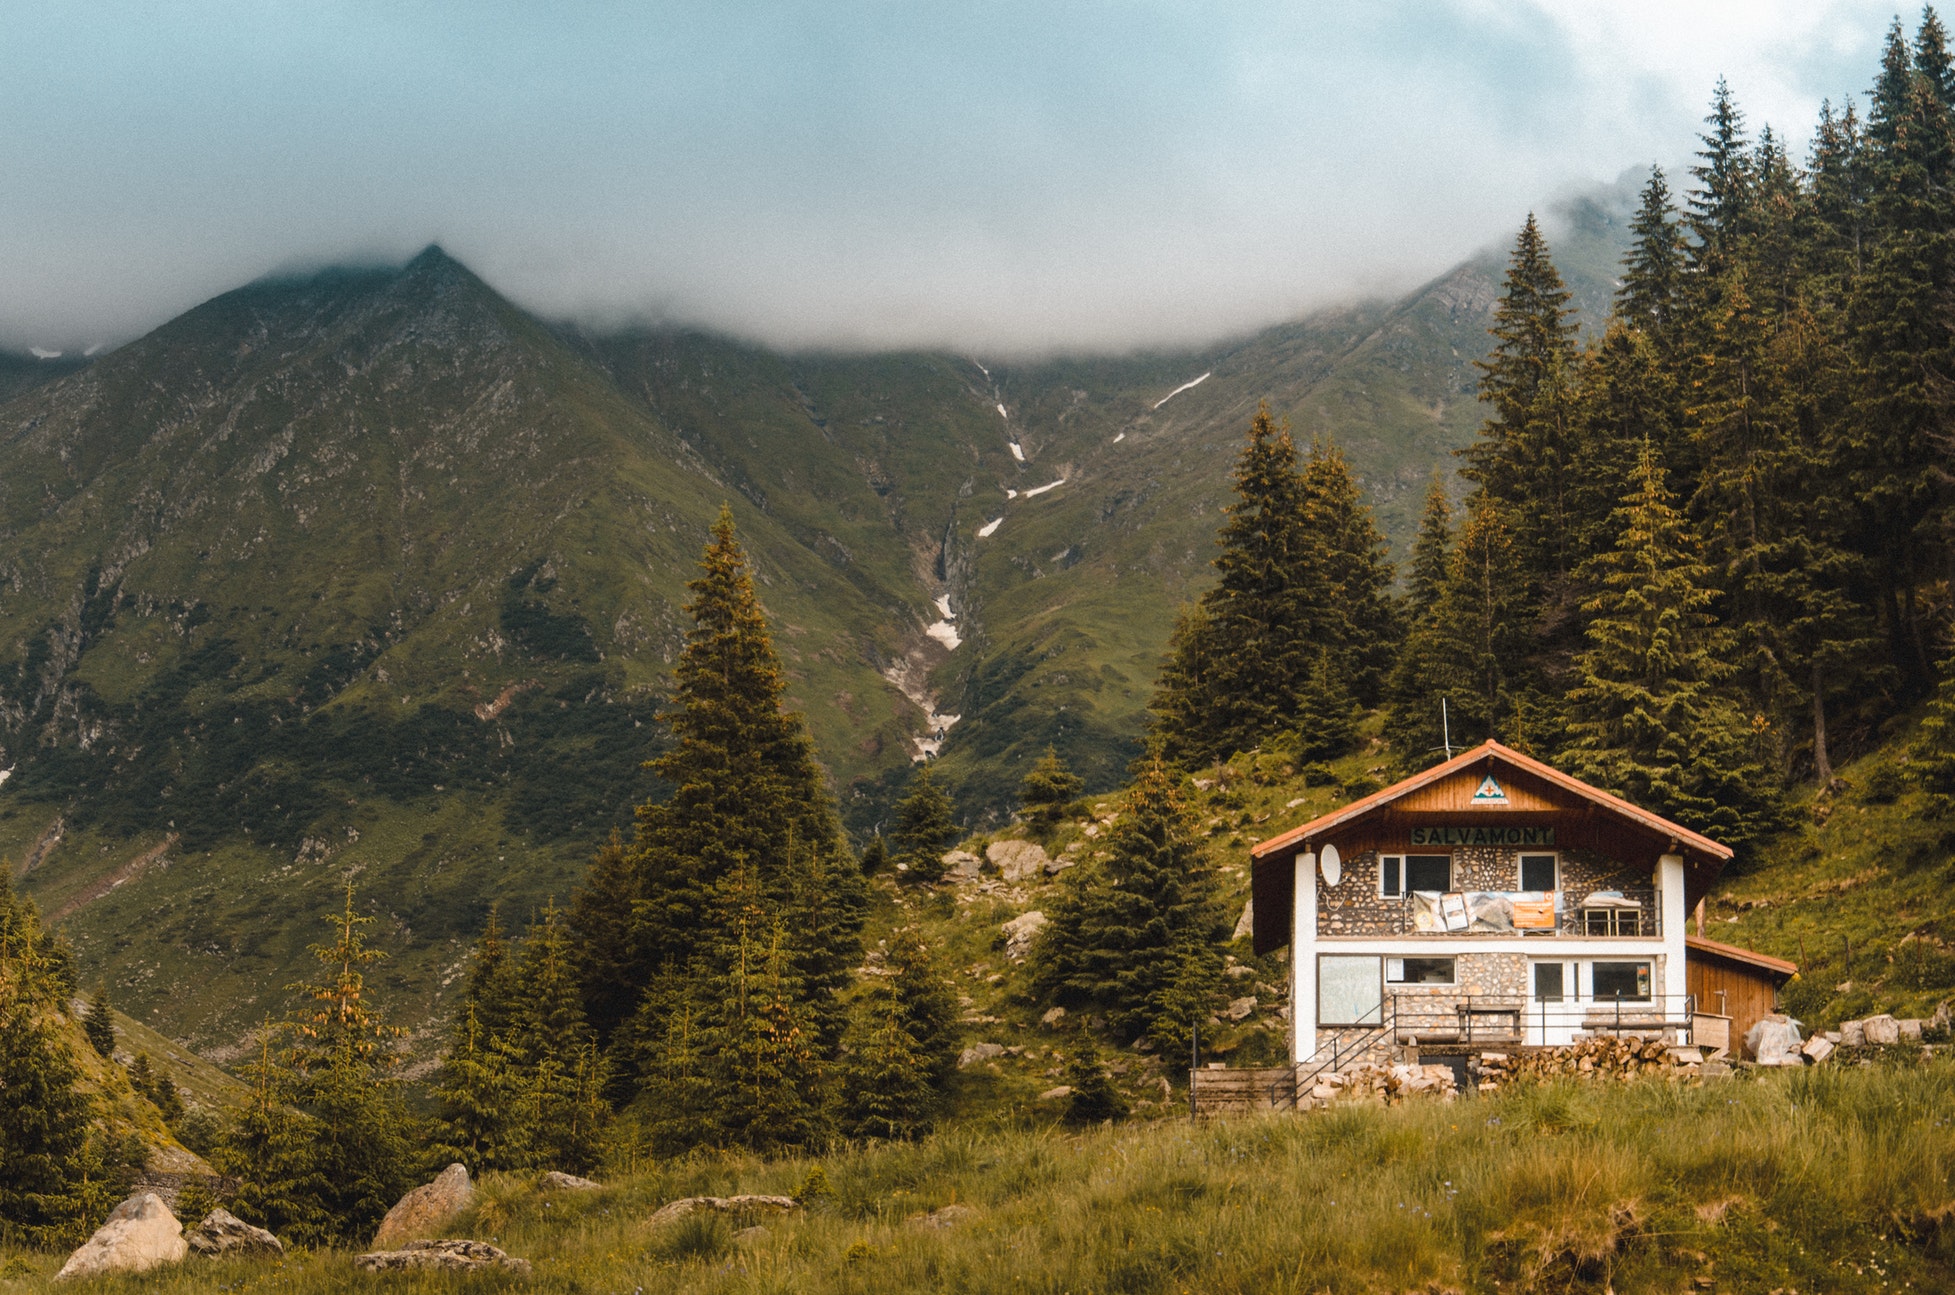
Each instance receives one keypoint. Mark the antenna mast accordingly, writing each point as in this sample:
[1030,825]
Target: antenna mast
[1445,728]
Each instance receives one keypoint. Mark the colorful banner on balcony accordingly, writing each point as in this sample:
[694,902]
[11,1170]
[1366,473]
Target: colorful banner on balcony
[1484,911]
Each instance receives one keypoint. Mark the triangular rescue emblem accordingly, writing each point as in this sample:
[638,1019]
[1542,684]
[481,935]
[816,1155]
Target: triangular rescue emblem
[1489,793]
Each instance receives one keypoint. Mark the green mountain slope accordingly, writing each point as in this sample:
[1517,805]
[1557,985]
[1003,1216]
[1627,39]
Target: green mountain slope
[372,575]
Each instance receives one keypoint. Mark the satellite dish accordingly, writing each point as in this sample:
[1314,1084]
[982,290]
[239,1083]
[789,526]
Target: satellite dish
[1332,865]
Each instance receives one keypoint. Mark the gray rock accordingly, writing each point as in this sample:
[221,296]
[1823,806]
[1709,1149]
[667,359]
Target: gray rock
[1245,926]
[673,1210]
[427,1207]
[1018,860]
[224,1233]
[961,865]
[1910,1029]
[1020,933]
[979,1052]
[557,1180]
[138,1235]
[1853,1034]
[1055,1094]
[1818,1048]
[1881,1031]
[1239,1008]
[1053,1015]
[449,1256]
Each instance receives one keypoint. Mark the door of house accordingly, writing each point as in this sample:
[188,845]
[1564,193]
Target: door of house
[1553,1004]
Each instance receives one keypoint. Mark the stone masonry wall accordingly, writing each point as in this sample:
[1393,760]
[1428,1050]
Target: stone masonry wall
[1354,907]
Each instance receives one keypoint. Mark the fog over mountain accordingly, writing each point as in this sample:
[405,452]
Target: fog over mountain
[1004,179]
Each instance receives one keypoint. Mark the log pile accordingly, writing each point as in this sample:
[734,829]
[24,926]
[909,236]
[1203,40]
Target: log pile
[1389,1083]
[1603,1056]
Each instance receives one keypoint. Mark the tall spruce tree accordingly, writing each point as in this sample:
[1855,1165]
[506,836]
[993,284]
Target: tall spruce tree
[925,828]
[903,1043]
[748,905]
[560,1073]
[1125,930]
[1298,623]
[1650,718]
[343,1059]
[1048,791]
[99,1024]
[56,1175]
[1653,269]
[1435,540]
[1523,458]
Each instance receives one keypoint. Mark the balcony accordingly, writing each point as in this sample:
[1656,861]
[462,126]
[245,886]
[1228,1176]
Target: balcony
[1505,914]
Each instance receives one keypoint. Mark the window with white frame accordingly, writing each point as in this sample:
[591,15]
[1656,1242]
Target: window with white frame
[1419,971]
[1540,872]
[1348,990]
[1401,874]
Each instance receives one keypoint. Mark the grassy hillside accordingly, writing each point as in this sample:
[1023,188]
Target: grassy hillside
[373,575]
[1859,891]
[1815,1181]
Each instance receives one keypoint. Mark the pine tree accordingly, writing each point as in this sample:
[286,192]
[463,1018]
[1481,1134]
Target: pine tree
[925,828]
[610,966]
[552,1049]
[875,856]
[1653,270]
[747,905]
[1429,550]
[1302,572]
[903,1044]
[268,1150]
[158,1088]
[56,1176]
[1523,458]
[1719,207]
[1094,1099]
[99,1025]
[1629,398]
[359,1160]
[1339,581]
[1120,931]
[1649,717]
[1048,791]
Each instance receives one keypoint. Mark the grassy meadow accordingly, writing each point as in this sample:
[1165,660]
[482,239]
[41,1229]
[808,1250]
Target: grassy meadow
[1829,1179]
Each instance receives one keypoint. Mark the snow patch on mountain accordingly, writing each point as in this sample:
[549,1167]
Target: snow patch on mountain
[990,528]
[1050,485]
[1183,387]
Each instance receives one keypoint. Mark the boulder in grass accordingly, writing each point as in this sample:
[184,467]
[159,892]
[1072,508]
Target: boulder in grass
[426,1208]
[1853,1034]
[441,1256]
[1020,933]
[961,865]
[1881,1031]
[672,1211]
[1818,1048]
[224,1233]
[139,1234]
[557,1180]
[1018,860]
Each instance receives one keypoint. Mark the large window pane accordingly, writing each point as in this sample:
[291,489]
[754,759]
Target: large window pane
[1538,872]
[1348,990]
[1428,872]
[1547,982]
[1629,981]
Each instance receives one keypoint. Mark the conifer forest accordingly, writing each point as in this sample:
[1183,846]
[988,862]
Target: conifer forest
[733,934]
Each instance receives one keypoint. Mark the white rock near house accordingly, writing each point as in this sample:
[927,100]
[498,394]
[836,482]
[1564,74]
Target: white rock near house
[1020,932]
[1245,925]
[1239,1008]
[1018,860]
[1853,1034]
[1881,1031]
[139,1234]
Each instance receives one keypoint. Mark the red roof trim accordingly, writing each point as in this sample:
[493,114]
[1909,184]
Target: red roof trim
[1465,759]
[1699,944]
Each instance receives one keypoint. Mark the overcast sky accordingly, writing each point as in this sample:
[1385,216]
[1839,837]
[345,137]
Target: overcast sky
[998,177]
